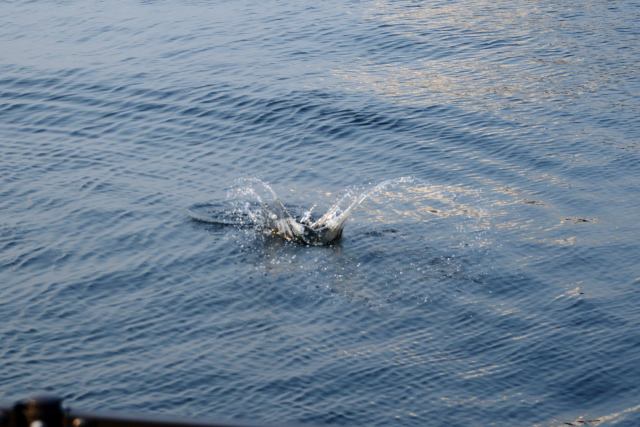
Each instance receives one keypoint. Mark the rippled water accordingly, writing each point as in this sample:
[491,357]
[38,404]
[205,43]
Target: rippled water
[498,286]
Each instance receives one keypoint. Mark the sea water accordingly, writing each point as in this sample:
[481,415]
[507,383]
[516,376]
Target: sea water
[495,281]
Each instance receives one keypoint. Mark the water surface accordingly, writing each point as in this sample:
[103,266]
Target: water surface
[499,285]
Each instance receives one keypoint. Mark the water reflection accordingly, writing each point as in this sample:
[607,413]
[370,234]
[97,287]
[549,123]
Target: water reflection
[440,64]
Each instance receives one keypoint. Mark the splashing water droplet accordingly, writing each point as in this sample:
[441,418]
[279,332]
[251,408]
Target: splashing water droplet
[252,202]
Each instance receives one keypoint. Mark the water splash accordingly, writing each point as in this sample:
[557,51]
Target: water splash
[253,203]
[342,209]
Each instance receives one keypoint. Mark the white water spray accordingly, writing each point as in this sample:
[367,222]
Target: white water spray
[253,202]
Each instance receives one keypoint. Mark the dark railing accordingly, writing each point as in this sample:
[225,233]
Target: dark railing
[49,412]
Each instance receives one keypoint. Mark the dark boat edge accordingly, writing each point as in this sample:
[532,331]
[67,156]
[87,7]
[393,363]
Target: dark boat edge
[48,411]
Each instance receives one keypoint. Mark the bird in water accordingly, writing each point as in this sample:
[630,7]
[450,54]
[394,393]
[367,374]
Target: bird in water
[258,206]
[273,218]
[323,231]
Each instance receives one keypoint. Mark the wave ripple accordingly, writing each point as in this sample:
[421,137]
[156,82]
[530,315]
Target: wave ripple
[498,285]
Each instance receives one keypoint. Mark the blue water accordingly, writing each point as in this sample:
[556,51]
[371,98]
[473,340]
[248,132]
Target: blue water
[498,284]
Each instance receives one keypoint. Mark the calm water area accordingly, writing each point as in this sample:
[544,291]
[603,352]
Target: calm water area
[490,276]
